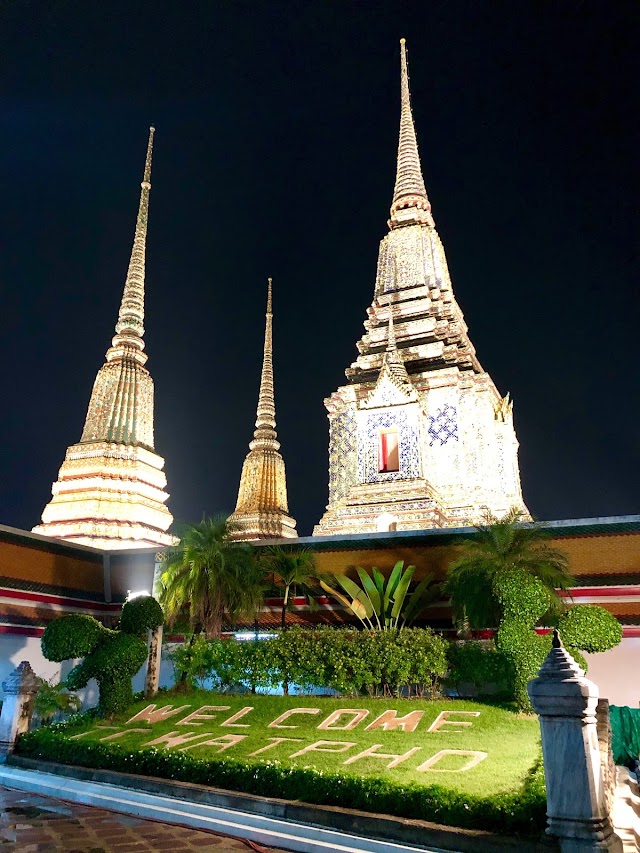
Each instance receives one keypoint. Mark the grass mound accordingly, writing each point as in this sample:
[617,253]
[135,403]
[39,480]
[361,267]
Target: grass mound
[454,762]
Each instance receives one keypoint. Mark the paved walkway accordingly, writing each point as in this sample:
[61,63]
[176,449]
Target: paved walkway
[30,823]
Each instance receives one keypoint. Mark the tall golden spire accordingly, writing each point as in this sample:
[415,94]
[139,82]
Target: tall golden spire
[130,325]
[262,510]
[266,414]
[110,488]
[410,202]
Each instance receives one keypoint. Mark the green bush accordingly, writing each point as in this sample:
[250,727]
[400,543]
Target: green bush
[348,661]
[140,615]
[590,628]
[111,657]
[482,665]
[72,636]
[523,812]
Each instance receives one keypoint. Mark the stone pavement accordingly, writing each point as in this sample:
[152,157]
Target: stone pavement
[30,823]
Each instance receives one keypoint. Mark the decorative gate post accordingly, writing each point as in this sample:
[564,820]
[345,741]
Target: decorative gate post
[17,706]
[577,804]
[153,663]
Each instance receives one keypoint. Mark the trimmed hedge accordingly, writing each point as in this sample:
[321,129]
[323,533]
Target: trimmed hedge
[522,813]
[351,662]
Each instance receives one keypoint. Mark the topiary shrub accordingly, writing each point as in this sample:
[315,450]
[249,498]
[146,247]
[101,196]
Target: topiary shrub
[140,615]
[111,657]
[590,628]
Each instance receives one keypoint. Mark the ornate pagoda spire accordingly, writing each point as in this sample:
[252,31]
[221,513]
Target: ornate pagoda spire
[419,437]
[410,202]
[110,489]
[262,510]
[266,414]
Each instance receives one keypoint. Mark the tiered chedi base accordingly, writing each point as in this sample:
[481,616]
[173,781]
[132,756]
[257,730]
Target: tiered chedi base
[261,511]
[109,496]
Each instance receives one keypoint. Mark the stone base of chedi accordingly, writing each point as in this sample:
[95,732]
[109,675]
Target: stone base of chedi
[109,496]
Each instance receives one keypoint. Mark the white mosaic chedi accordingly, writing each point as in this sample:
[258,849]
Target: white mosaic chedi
[420,437]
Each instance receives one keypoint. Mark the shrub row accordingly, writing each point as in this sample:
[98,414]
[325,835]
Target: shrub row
[348,661]
[523,812]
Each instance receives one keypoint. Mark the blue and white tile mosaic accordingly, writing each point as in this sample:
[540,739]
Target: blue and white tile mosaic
[443,426]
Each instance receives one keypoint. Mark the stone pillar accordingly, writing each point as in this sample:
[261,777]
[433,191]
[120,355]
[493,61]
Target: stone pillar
[153,663]
[566,703]
[17,706]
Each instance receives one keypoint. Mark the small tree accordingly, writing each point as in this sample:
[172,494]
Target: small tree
[111,657]
[293,572]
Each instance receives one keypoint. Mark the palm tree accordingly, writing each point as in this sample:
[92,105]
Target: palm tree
[502,545]
[292,570]
[209,575]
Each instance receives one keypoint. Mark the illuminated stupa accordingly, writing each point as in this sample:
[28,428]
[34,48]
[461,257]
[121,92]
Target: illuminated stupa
[110,491]
[420,436]
[262,511]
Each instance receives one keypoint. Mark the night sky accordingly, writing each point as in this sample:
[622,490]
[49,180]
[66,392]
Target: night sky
[275,155]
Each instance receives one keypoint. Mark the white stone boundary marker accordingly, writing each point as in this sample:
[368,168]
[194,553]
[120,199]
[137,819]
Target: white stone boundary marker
[566,703]
[17,706]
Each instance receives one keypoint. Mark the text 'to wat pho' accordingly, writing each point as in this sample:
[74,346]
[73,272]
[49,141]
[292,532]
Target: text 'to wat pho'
[419,436]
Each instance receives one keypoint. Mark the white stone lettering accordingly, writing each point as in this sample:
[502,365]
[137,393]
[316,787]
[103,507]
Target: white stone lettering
[116,735]
[237,716]
[218,743]
[319,746]
[277,723]
[443,720]
[390,721]
[192,719]
[150,715]
[358,715]
[474,759]
[372,752]
[171,739]
[276,742]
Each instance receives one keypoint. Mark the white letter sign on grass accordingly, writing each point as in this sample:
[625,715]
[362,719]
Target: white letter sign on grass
[150,715]
[474,759]
[372,752]
[199,715]
[358,715]
[219,743]
[277,723]
[390,721]
[443,720]
[322,746]
[172,739]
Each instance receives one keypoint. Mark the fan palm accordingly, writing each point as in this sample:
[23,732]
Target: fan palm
[209,576]
[292,570]
[502,545]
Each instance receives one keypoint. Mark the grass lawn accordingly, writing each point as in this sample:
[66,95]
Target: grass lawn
[497,745]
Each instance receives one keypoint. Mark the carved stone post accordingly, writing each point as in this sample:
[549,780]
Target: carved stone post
[576,799]
[153,663]
[17,706]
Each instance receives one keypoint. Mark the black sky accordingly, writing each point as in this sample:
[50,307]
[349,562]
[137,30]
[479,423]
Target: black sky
[275,155]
